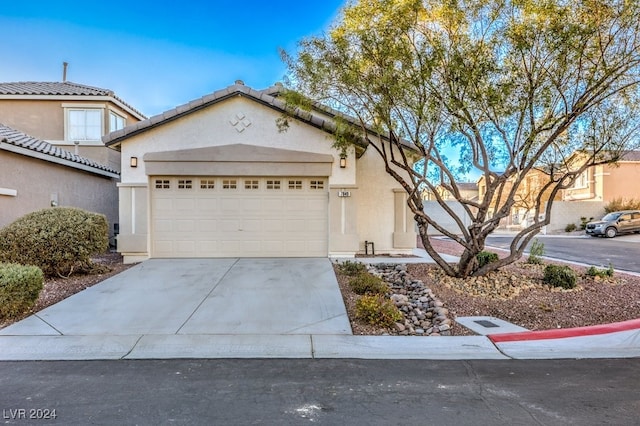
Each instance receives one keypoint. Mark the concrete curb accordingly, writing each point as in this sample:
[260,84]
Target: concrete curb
[616,340]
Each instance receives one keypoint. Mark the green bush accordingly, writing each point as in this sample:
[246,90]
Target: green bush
[486,257]
[57,240]
[351,268]
[559,276]
[570,227]
[376,309]
[367,283]
[602,273]
[618,204]
[20,287]
[536,251]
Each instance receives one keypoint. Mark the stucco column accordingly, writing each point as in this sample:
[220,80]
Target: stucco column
[343,236]
[133,237]
[404,235]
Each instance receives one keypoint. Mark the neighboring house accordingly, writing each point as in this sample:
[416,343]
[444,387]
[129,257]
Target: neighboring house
[608,182]
[468,191]
[215,178]
[70,115]
[525,198]
[53,153]
[35,174]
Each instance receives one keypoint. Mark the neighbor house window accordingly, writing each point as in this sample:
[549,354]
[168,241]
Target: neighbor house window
[162,184]
[116,122]
[582,180]
[84,124]
[229,184]
[185,184]
[295,184]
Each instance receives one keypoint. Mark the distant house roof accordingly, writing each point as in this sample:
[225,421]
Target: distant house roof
[15,141]
[467,186]
[60,89]
[631,156]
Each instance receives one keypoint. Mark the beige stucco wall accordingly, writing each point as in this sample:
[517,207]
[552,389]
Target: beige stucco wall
[622,181]
[382,214]
[37,182]
[41,119]
[45,119]
[213,126]
[608,182]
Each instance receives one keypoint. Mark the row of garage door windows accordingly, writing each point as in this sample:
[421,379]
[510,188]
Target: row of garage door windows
[273,184]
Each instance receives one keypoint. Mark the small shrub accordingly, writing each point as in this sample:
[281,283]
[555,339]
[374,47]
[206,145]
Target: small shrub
[570,227]
[57,240]
[536,251]
[351,268]
[559,276]
[367,283]
[378,310]
[602,273]
[20,287]
[486,257]
[618,204]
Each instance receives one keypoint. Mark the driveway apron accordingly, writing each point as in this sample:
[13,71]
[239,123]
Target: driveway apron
[202,296]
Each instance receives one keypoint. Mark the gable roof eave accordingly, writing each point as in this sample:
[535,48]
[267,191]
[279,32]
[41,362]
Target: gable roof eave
[320,118]
[12,140]
[65,90]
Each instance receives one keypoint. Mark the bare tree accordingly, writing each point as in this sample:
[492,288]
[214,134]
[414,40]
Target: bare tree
[500,88]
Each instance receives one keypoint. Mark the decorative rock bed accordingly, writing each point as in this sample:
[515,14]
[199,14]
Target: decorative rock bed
[424,314]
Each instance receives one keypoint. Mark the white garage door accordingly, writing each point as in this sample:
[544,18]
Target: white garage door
[239,216]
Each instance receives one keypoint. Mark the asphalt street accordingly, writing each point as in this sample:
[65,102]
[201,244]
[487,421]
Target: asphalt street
[324,392]
[623,252]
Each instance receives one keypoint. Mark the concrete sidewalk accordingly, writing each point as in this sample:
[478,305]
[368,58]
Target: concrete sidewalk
[243,308]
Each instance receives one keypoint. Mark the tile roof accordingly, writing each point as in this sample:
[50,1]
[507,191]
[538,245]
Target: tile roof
[54,88]
[467,186]
[631,156]
[321,117]
[21,140]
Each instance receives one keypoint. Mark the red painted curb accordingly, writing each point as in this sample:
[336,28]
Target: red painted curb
[566,332]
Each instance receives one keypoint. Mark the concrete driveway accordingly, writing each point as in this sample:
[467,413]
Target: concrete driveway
[201,296]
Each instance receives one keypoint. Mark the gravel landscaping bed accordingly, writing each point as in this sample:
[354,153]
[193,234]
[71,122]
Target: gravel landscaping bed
[515,294]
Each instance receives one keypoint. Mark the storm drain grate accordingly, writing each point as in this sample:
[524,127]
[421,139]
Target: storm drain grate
[486,324]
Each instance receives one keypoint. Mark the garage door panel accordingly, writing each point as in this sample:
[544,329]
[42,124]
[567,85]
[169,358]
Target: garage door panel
[163,225]
[206,247]
[253,205]
[185,226]
[185,248]
[252,225]
[207,205]
[273,204]
[162,204]
[315,225]
[250,220]
[272,225]
[230,225]
[230,205]
[273,246]
[207,225]
[293,225]
[163,248]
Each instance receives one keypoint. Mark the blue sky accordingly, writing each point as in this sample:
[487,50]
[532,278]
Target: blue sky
[155,54]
